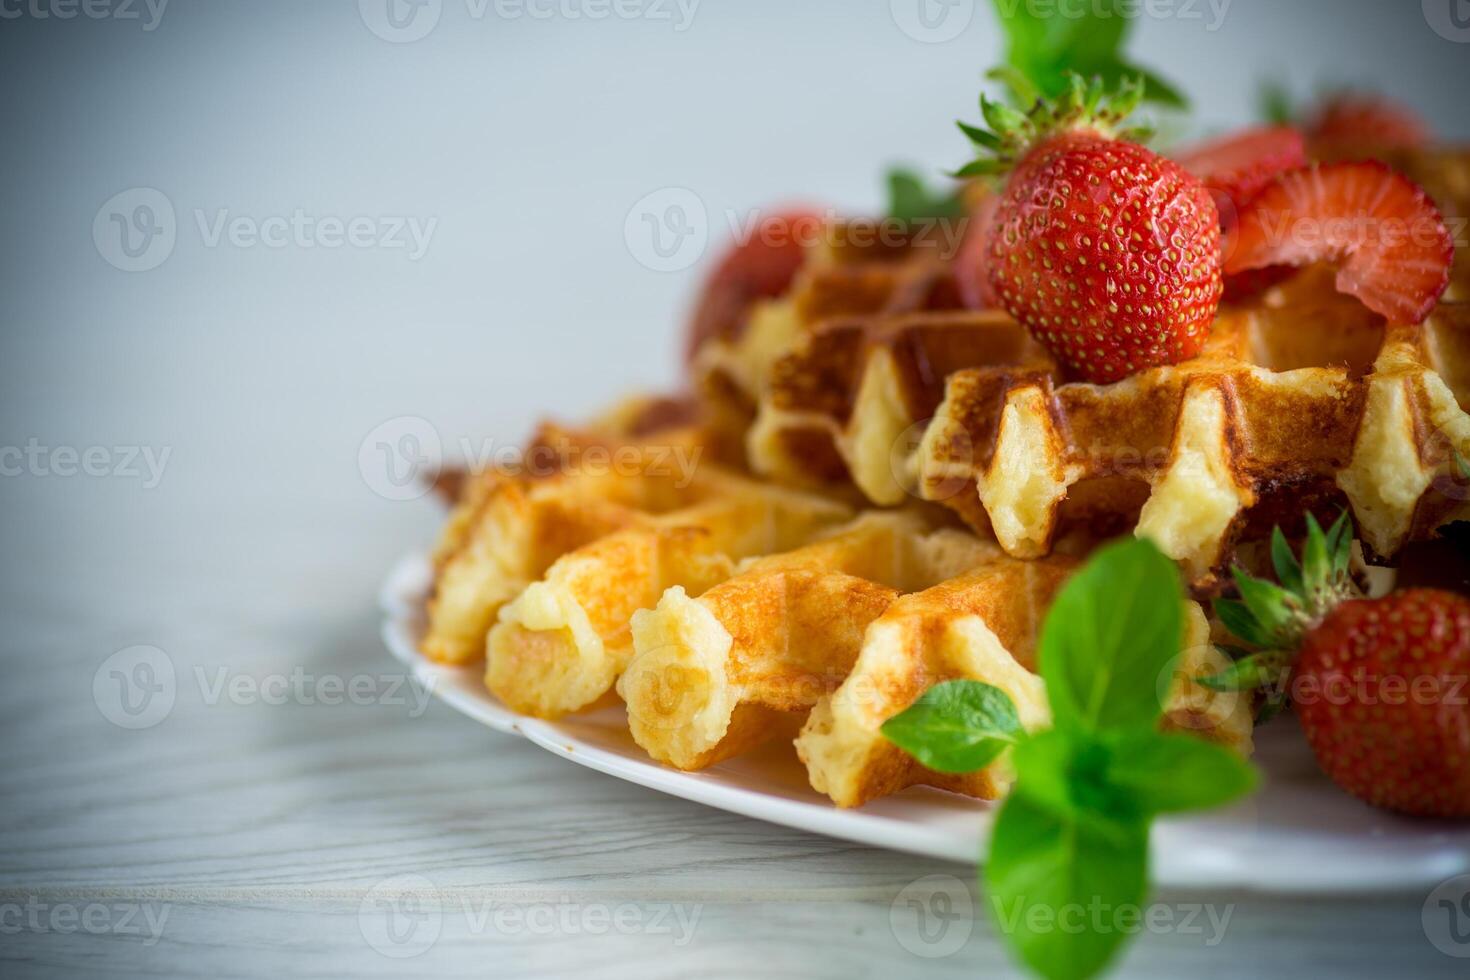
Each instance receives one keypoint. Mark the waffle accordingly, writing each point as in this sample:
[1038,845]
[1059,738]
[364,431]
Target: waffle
[842,635]
[572,487]
[855,272]
[1303,400]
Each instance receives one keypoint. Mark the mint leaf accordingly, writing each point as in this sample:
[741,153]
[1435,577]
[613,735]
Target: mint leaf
[1116,627]
[1043,48]
[1066,774]
[957,726]
[1170,773]
[909,200]
[1057,887]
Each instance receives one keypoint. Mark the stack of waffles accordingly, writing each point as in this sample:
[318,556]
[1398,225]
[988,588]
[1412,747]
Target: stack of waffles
[875,490]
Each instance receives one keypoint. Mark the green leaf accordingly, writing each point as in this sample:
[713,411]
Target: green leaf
[1340,546]
[1115,628]
[1048,875]
[981,137]
[909,200]
[980,168]
[1171,773]
[1066,773]
[1270,604]
[1288,569]
[1316,563]
[1239,621]
[1275,102]
[1249,672]
[1043,46]
[957,726]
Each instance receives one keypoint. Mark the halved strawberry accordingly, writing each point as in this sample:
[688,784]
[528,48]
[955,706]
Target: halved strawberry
[760,268]
[1358,126]
[1391,246]
[1236,168]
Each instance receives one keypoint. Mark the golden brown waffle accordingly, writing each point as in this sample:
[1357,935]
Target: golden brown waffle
[572,487]
[1303,400]
[856,272]
[841,636]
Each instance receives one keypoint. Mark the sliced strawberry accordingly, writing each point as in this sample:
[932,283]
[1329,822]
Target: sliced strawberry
[1359,126]
[1235,168]
[1391,246]
[761,267]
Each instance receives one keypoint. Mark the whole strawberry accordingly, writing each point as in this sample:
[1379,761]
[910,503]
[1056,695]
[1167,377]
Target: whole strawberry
[1381,686]
[1108,253]
[1381,690]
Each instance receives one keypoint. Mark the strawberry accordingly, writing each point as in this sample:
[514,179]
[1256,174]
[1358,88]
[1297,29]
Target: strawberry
[1380,690]
[762,267]
[1358,126]
[1379,685]
[1108,253]
[1236,168]
[1392,247]
[972,263]
[1245,286]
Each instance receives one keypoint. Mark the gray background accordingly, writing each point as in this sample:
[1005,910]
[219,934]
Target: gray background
[262,370]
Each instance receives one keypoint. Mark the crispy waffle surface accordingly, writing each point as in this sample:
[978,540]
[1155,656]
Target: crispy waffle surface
[727,612]
[1302,400]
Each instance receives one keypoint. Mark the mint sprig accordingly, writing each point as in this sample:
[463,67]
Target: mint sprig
[910,201]
[1041,50]
[1072,838]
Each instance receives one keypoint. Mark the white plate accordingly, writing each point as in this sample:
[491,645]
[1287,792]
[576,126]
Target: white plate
[1298,835]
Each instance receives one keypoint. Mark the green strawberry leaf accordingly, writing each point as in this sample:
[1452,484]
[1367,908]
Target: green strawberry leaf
[1316,558]
[1241,624]
[1288,569]
[1115,628]
[1046,872]
[1171,773]
[957,726]
[1249,672]
[909,200]
[1272,606]
[1275,104]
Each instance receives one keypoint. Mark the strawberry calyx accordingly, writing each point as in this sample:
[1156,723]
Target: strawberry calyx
[1274,617]
[1084,107]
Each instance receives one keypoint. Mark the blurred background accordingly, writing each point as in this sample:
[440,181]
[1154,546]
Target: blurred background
[431,208]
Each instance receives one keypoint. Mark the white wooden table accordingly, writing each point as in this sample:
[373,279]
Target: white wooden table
[251,834]
[237,836]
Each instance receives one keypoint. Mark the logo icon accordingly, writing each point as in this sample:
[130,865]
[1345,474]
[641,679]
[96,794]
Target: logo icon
[932,21]
[401,917]
[933,917]
[399,459]
[1446,917]
[1450,19]
[400,21]
[136,229]
[135,688]
[668,230]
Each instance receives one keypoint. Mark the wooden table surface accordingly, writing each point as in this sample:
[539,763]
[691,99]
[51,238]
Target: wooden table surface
[271,823]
